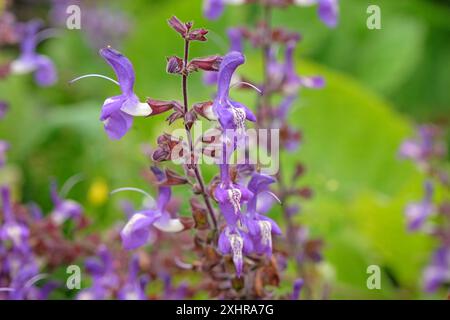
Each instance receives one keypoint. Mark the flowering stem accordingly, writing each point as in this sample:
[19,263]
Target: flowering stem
[197,172]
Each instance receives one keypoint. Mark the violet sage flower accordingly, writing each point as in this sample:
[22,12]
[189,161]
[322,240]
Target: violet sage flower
[104,277]
[3,108]
[231,114]
[118,111]
[233,239]
[63,209]
[438,272]
[137,230]
[11,231]
[292,81]
[259,226]
[417,213]
[328,10]
[30,61]
[134,287]
[213,9]
[4,147]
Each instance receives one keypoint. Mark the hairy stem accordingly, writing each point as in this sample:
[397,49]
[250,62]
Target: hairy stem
[198,173]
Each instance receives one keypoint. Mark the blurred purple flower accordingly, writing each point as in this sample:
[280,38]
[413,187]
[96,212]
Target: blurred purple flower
[297,287]
[424,147]
[213,9]
[63,209]
[134,287]
[4,147]
[417,213]
[30,61]
[104,278]
[102,25]
[292,81]
[235,37]
[3,108]
[12,231]
[328,10]
[438,272]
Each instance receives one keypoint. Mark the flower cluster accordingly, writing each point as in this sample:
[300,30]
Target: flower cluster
[428,151]
[281,83]
[327,10]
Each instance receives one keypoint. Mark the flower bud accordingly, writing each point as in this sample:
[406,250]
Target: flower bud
[205,110]
[211,63]
[197,35]
[174,65]
[178,26]
[160,106]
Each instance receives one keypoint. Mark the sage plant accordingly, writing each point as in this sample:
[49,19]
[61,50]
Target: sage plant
[281,83]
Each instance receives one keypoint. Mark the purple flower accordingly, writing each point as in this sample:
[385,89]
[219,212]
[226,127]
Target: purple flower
[134,287]
[4,147]
[137,230]
[230,196]
[424,147]
[104,277]
[30,61]
[118,111]
[417,213]
[292,81]
[63,209]
[297,287]
[210,77]
[3,108]
[237,243]
[170,291]
[12,231]
[235,37]
[259,226]
[438,272]
[231,114]
[213,9]
[328,10]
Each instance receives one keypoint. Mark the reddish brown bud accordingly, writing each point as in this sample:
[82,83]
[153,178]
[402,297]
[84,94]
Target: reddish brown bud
[190,118]
[178,114]
[199,214]
[204,109]
[305,192]
[173,179]
[299,170]
[178,26]
[211,63]
[160,106]
[166,144]
[174,65]
[197,35]
[5,70]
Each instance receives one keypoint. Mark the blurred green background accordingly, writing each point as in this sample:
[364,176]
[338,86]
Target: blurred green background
[379,84]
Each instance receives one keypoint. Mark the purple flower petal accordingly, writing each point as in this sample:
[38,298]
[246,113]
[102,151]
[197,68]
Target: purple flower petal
[122,67]
[328,12]
[213,9]
[118,124]
[45,74]
[235,36]
[137,230]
